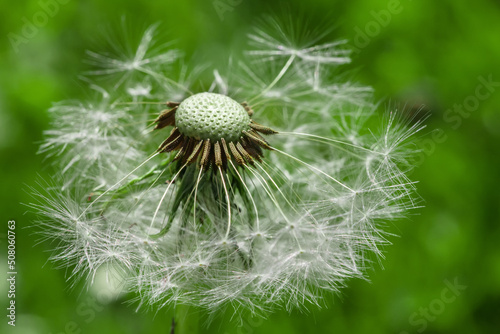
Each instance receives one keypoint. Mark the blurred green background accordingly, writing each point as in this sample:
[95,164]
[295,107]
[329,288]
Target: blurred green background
[437,53]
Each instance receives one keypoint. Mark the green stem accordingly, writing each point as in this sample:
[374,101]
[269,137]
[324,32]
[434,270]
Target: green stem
[186,319]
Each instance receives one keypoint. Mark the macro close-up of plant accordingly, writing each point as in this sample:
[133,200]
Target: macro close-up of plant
[267,189]
[242,167]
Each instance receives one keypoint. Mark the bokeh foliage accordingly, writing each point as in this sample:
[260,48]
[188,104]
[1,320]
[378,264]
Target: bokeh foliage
[426,52]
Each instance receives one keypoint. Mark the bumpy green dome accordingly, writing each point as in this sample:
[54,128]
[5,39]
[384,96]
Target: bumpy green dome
[211,116]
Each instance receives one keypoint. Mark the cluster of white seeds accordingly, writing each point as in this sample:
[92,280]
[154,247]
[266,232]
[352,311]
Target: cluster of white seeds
[278,231]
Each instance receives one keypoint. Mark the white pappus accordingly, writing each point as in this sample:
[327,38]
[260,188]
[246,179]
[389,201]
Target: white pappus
[266,190]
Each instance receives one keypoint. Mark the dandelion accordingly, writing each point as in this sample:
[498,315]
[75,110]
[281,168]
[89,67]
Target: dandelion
[268,190]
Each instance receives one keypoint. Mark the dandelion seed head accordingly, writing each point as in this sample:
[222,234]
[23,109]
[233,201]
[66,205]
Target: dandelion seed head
[212,116]
[267,190]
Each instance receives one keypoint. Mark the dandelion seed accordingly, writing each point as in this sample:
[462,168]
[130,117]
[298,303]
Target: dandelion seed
[277,40]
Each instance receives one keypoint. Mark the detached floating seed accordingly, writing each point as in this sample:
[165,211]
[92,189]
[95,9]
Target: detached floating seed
[212,129]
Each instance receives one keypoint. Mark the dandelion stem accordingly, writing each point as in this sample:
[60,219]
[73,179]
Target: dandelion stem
[186,321]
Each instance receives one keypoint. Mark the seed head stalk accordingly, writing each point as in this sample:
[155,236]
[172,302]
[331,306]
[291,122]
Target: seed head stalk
[186,320]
